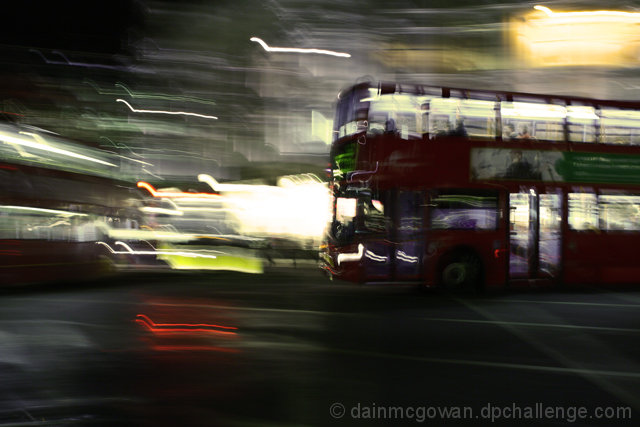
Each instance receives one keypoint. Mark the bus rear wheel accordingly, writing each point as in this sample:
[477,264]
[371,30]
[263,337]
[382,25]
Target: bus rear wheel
[462,272]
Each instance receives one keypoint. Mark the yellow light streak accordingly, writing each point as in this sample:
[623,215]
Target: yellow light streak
[631,16]
[589,37]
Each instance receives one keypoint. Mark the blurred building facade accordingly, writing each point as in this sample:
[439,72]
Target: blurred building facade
[182,87]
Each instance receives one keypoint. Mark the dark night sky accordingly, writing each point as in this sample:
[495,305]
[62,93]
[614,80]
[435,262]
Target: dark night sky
[90,26]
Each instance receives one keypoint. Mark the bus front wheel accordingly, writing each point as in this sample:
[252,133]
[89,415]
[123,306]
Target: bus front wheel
[462,272]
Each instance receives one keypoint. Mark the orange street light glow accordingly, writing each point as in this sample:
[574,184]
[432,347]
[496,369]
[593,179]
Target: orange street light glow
[176,194]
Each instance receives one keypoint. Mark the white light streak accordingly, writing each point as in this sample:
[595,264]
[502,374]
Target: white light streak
[223,188]
[134,160]
[55,224]
[404,257]
[297,49]
[543,9]
[123,244]
[33,144]
[375,257]
[161,211]
[41,210]
[179,113]
[129,251]
[352,256]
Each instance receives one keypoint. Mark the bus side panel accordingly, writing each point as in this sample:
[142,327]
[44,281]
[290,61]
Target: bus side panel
[601,257]
[38,261]
[623,265]
[350,269]
[377,261]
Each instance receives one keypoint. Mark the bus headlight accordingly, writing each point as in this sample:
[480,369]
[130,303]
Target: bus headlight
[351,256]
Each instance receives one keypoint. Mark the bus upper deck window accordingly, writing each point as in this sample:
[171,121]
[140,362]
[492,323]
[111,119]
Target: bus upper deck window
[581,123]
[462,117]
[533,121]
[618,126]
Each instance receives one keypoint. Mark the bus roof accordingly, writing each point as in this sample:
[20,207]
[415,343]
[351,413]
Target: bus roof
[487,94]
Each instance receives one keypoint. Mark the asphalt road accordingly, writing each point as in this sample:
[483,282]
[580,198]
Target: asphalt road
[291,348]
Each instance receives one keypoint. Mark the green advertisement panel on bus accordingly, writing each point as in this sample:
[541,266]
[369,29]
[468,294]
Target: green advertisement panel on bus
[345,160]
[554,166]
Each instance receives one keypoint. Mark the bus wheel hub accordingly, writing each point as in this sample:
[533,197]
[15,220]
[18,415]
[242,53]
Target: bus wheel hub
[454,274]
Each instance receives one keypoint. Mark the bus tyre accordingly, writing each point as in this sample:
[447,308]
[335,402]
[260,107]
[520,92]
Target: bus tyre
[461,272]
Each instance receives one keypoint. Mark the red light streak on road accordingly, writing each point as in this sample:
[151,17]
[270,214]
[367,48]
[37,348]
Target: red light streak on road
[175,194]
[10,252]
[171,328]
[194,348]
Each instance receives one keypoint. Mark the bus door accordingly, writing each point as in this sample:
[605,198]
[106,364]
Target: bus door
[392,232]
[409,235]
[375,210]
[534,234]
[549,235]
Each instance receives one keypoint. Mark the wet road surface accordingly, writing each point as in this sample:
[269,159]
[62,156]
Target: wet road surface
[291,348]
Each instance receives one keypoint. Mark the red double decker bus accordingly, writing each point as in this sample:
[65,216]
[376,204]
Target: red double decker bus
[56,199]
[469,188]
